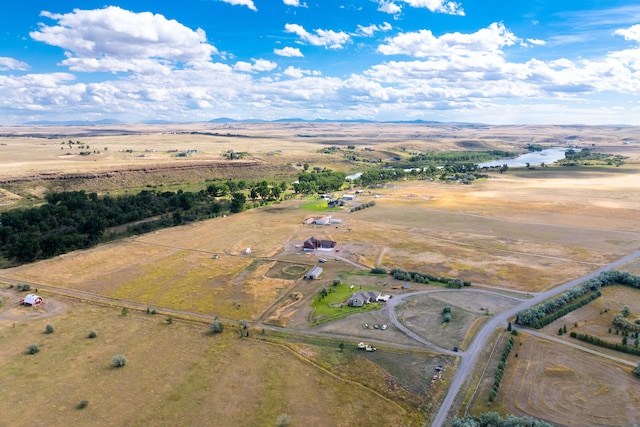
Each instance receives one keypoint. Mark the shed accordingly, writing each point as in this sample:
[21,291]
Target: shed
[32,300]
[314,273]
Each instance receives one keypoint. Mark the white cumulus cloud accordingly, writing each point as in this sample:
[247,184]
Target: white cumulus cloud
[370,30]
[247,3]
[298,73]
[423,43]
[632,33]
[288,51]
[7,63]
[440,6]
[259,65]
[389,7]
[536,42]
[95,40]
[294,3]
[327,38]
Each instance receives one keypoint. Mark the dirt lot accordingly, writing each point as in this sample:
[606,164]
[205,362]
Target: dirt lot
[566,386]
[423,314]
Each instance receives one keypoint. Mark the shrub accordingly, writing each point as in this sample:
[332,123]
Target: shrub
[170,320]
[119,361]
[447,318]
[92,334]
[284,420]
[379,270]
[33,349]
[49,329]
[83,404]
[216,326]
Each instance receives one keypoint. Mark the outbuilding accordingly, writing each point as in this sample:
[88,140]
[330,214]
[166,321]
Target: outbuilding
[31,300]
[314,273]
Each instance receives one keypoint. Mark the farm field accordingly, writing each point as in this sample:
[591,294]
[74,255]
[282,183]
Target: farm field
[175,375]
[567,386]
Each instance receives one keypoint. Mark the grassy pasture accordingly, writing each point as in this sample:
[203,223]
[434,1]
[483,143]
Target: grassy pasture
[564,385]
[175,375]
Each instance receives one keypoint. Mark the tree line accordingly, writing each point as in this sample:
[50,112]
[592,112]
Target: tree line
[493,419]
[624,348]
[465,172]
[417,277]
[548,311]
[322,181]
[500,369]
[77,220]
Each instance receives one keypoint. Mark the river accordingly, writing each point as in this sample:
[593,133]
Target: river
[534,158]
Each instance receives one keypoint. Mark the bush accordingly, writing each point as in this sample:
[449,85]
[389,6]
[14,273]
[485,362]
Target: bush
[119,361]
[379,270]
[92,334]
[284,420]
[33,349]
[49,329]
[447,318]
[83,404]
[216,326]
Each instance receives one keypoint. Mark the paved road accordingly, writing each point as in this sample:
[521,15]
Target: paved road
[470,355]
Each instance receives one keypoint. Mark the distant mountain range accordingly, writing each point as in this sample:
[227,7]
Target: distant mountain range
[283,120]
[74,122]
[216,120]
[299,120]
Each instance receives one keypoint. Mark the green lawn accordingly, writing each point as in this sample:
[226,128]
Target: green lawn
[334,305]
[317,205]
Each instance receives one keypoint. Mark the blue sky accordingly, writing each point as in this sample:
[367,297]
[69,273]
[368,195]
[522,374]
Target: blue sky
[501,61]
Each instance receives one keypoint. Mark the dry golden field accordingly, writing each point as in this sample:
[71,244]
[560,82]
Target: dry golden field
[175,375]
[569,387]
[524,230]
